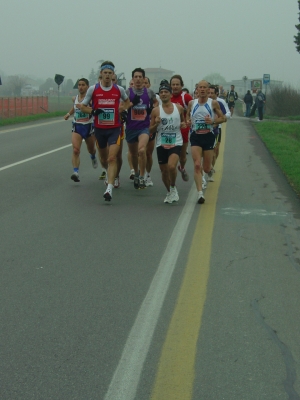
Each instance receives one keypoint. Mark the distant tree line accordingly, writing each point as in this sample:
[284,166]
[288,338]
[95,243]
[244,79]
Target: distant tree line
[297,37]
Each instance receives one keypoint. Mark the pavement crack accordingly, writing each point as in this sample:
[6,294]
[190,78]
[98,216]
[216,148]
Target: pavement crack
[290,248]
[291,374]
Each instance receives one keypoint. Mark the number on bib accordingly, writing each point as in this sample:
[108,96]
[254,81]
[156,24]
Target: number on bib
[202,127]
[81,117]
[107,116]
[138,113]
[168,140]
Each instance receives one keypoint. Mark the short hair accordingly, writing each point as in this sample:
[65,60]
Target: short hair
[108,63]
[141,70]
[84,80]
[146,77]
[177,77]
[232,86]
[185,90]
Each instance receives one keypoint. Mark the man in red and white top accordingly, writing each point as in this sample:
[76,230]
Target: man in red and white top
[182,98]
[105,97]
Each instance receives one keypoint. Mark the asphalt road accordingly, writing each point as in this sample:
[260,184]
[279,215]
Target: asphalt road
[96,297]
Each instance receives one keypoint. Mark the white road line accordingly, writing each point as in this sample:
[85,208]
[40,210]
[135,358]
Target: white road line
[30,126]
[127,375]
[33,158]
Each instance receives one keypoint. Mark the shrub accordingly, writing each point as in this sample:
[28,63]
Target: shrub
[283,101]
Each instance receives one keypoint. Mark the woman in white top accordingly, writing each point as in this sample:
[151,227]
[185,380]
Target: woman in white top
[167,120]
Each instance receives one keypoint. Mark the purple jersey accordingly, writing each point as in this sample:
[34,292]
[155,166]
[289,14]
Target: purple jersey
[138,117]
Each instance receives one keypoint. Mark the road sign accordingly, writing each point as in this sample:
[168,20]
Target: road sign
[266,79]
[59,79]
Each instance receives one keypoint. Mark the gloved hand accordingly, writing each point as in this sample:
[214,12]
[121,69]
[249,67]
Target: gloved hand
[136,100]
[150,108]
[97,111]
[124,116]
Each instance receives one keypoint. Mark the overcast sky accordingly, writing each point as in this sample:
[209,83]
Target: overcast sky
[191,37]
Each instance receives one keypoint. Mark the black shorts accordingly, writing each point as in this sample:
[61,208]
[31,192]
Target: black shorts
[231,105]
[205,140]
[107,136]
[164,154]
[219,137]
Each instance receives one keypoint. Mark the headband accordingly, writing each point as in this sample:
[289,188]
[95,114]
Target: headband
[165,87]
[107,66]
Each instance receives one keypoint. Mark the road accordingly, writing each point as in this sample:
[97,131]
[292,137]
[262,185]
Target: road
[137,299]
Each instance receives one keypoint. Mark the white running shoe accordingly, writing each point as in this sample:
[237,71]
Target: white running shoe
[132,173]
[117,183]
[204,183]
[94,162]
[174,194]
[201,198]
[148,181]
[210,176]
[168,198]
[108,195]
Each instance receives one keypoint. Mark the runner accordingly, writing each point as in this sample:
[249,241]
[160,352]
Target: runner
[202,114]
[106,104]
[214,92]
[81,129]
[231,98]
[137,126]
[167,120]
[179,97]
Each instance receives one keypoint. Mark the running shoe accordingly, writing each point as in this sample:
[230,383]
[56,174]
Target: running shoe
[174,194]
[201,198]
[184,174]
[148,181]
[117,183]
[136,182]
[210,176]
[204,183]
[75,177]
[168,198]
[102,176]
[107,195]
[94,162]
[131,176]
[142,184]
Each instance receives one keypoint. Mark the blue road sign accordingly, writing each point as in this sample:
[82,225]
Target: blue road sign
[266,79]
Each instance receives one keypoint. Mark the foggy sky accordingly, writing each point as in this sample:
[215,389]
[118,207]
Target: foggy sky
[191,37]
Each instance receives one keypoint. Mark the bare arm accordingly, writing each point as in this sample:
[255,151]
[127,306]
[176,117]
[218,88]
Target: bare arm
[71,112]
[188,113]
[155,120]
[182,119]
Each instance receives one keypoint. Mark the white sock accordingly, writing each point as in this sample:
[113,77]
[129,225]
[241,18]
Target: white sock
[110,187]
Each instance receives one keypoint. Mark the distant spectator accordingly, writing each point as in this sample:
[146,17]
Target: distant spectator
[185,90]
[260,102]
[248,100]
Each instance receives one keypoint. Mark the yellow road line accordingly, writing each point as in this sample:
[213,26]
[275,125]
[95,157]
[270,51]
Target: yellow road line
[176,369]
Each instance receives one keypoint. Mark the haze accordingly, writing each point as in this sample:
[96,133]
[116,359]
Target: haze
[193,38]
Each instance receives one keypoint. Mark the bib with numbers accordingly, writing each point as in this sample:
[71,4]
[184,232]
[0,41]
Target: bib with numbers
[107,117]
[168,140]
[81,117]
[201,127]
[139,113]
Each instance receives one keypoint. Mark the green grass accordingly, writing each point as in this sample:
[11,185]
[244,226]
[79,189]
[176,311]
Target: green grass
[289,118]
[29,118]
[283,141]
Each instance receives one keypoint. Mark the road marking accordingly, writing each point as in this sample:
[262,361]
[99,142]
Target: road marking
[33,158]
[31,126]
[127,375]
[261,213]
[176,369]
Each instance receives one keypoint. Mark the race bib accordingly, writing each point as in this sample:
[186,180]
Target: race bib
[81,117]
[107,117]
[138,113]
[201,127]
[168,140]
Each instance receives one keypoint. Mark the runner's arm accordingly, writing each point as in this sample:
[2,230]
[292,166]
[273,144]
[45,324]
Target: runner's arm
[188,113]
[155,120]
[71,112]
[217,110]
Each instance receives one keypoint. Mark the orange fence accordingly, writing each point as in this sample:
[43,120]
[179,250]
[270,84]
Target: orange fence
[21,106]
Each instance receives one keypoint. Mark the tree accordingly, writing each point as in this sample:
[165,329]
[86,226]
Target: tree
[215,78]
[93,77]
[69,86]
[297,37]
[16,83]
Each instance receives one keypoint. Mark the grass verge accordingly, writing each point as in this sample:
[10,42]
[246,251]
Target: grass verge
[29,118]
[283,141]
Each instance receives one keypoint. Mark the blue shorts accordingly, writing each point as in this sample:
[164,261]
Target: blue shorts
[132,135]
[108,136]
[84,130]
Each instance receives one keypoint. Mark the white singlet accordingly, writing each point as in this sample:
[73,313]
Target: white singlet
[80,117]
[198,114]
[168,131]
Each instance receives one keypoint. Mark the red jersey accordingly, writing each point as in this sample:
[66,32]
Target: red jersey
[182,99]
[108,101]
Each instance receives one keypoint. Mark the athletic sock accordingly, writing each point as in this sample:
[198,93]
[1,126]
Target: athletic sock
[93,156]
[76,170]
[110,187]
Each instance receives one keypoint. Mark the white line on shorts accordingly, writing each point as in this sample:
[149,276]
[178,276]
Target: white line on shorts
[127,375]
[33,158]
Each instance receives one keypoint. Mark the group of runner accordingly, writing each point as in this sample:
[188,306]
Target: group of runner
[105,113]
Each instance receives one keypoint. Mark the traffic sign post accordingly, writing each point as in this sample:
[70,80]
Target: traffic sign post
[266,79]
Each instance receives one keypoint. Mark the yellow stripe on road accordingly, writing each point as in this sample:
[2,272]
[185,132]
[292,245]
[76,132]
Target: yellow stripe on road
[176,369]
